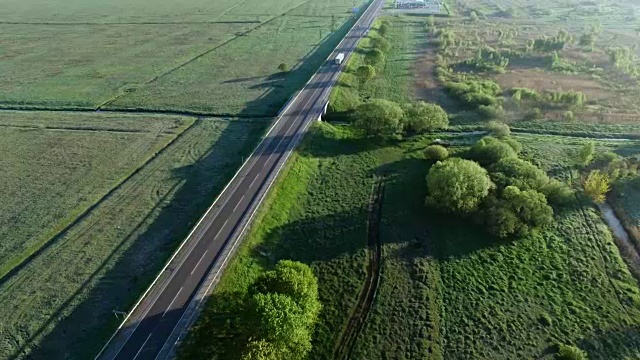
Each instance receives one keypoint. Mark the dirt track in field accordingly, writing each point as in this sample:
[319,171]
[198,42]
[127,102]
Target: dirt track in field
[367,295]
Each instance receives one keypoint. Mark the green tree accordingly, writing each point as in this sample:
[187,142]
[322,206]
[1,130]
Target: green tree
[596,186]
[457,185]
[498,129]
[436,152]
[473,16]
[283,67]
[586,153]
[261,350]
[277,319]
[568,352]
[518,172]
[517,212]
[380,43]
[378,118]
[295,280]
[383,29]
[490,150]
[422,117]
[365,73]
[374,57]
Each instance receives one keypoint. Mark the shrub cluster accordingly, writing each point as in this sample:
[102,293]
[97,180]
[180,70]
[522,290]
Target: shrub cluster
[281,311]
[508,195]
[383,118]
[475,93]
[550,98]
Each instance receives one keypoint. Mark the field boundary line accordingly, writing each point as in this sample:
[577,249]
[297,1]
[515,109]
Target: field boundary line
[177,67]
[82,215]
[131,111]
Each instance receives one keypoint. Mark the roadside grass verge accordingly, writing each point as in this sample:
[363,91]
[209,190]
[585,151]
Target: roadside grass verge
[55,169]
[394,77]
[60,304]
[316,214]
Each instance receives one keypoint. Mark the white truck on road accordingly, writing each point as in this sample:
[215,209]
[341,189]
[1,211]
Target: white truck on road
[339,58]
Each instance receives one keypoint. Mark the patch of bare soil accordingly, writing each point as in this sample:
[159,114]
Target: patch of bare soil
[542,80]
[426,85]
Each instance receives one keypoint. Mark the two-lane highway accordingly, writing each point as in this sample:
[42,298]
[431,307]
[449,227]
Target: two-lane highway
[149,331]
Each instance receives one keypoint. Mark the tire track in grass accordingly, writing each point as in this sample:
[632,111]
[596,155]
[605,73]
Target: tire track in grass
[367,295]
[205,53]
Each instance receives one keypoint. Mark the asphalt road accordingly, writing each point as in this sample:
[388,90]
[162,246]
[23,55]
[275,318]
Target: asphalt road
[154,319]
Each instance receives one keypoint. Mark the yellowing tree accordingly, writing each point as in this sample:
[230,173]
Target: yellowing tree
[597,185]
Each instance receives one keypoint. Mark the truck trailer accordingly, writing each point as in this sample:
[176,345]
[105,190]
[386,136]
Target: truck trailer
[339,58]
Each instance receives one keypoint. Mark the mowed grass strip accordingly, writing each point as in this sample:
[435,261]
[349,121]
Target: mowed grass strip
[60,305]
[316,214]
[51,176]
[242,77]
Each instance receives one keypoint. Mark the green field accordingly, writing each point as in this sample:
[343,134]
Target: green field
[39,200]
[193,56]
[60,303]
[448,289]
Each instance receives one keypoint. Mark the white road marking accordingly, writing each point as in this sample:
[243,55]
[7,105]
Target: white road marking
[221,227]
[254,180]
[202,257]
[172,301]
[242,198]
[143,344]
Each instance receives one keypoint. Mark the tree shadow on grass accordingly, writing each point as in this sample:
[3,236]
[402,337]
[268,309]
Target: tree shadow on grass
[125,274]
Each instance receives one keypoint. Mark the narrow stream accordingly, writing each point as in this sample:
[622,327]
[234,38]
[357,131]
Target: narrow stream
[614,223]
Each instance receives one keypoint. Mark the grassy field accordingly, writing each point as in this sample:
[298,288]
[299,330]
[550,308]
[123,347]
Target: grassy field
[448,289]
[198,56]
[59,304]
[92,154]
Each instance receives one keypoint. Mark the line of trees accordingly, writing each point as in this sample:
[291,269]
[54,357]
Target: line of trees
[383,118]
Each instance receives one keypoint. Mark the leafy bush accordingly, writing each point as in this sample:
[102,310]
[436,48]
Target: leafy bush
[518,172]
[378,118]
[586,154]
[490,150]
[557,192]
[380,43]
[281,312]
[498,129]
[436,152]
[422,117]
[374,57]
[596,186]
[475,92]
[365,73]
[383,29]
[283,67]
[568,352]
[517,212]
[491,111]
[457,185]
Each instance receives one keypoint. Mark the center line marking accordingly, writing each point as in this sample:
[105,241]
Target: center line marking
[242,198]
[221,227]
[143,344]
[254,180]
[195,267]
[172,301]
